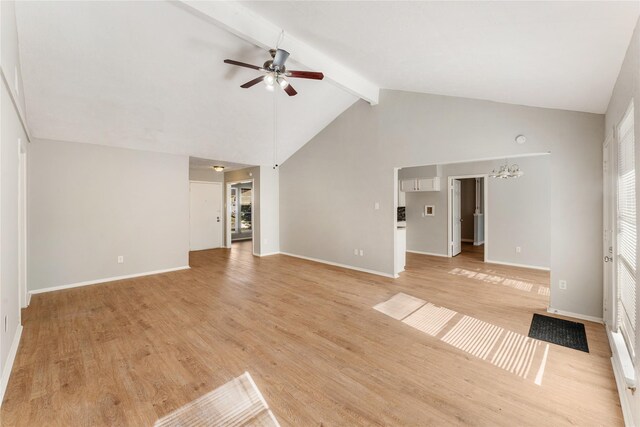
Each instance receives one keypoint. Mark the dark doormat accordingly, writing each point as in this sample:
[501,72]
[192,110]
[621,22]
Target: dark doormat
[559,331]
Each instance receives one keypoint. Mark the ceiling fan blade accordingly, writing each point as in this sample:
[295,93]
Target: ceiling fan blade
[242,64]
[280,58]
[290,90]
[305,75]
[252,82]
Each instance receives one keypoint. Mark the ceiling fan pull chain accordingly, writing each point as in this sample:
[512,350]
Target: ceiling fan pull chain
[275,129]
[280,39]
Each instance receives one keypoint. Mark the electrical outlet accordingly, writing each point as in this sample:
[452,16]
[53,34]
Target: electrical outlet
[355,252]
[518,249]
[120,259]
[361,252]
[562,284]
[376,206]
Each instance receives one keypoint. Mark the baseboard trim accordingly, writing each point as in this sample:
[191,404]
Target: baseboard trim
[575,315]
[335,264]
[513,264]
[623,391]
[268,254]
[105,280]
[427,253]
[478,243]
[28,299]
[6,372]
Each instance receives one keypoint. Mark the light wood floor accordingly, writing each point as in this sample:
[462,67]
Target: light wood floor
[128,352]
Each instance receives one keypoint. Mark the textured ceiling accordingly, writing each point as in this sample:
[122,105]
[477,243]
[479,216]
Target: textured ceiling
[563,55]
[149,75]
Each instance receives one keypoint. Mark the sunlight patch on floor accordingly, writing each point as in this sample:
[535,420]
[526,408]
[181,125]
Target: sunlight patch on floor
[513,283]
[236,403]
[400,306]
[510,351]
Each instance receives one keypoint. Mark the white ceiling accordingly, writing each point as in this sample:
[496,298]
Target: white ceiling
[149,75]
[563,55]
[197,163]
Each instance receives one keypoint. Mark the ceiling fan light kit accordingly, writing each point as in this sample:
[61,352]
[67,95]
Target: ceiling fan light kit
[276,72]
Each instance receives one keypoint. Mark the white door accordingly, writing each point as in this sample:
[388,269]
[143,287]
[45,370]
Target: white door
[205,215]
[456,219]
[608,216]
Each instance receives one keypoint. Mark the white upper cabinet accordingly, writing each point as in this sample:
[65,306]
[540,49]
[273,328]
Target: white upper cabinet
[420,184]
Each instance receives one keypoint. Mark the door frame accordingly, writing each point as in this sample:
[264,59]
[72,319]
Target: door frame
[485,211]
[221,200]
[227,217]
[609,211]
[24,296]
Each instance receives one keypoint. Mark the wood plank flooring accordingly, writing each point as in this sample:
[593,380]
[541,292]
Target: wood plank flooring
[130,352]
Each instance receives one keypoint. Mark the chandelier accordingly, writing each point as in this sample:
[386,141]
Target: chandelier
[507,171]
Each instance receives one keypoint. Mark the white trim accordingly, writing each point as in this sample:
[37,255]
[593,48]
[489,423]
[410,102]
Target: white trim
[485,212]
[267,254]
[28,298]
[513,264]
[227,217]
[479,244]
[6,372]
[427,253]
[107,279]
[623,391]
[575,315]
[335,264]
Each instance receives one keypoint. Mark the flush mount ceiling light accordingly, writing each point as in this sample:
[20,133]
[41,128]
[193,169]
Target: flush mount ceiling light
[218,168]
[507,171]
[521,139]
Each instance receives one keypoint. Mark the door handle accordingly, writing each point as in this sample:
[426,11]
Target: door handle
[608,259]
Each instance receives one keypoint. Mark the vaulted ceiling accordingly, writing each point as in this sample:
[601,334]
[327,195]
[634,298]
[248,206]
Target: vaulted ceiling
[555,54]
[149,75]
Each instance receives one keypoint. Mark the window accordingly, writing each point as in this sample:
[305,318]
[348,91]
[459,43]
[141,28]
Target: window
[626,231]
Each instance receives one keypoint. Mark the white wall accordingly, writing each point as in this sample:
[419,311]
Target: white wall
[88,204]
[518,211]
[329,187]
[11,111]
[627,88]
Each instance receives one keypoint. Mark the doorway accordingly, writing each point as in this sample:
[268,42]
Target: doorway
[239,218]
[241,207]
[467,218]
[205,215]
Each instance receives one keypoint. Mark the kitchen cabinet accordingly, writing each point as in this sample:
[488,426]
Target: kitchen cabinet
[420,184]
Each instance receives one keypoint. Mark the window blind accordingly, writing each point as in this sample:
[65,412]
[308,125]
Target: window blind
[627,233]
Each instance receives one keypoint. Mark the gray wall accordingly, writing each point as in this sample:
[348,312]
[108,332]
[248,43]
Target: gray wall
[518,212]
[627,87]
[266,235]
[208,175]
[329,187]
[88,204]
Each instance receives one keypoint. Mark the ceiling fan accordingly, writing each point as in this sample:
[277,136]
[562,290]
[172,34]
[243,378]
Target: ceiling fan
[276,72]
